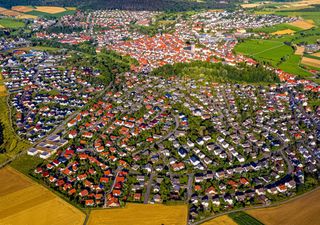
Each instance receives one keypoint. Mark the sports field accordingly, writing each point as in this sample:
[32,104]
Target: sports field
[304,211]
[23,202]
[140,214]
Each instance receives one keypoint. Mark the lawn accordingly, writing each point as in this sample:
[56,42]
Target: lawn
[304,210]
[242,218]
[23,201]
[12,142]
[11,23]
[140,214]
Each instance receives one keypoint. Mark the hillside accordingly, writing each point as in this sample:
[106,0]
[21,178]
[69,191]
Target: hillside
[168,5]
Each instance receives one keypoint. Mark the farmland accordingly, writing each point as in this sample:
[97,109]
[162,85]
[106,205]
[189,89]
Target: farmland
[243,218]
[304,210]
[11,23]
[26,202]
[221,220]
[138,214]
[311,62]
[278,27]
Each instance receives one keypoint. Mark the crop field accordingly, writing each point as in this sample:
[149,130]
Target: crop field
[302,24]
[311,62]
[221,220]
[50,9]
[317,54]
[299,50]
[278,27]
[22,202]
[22,9]
[11,23]
[264,50]
[242,218]
[304,210]
[140,214]
[291,65]
[282,32]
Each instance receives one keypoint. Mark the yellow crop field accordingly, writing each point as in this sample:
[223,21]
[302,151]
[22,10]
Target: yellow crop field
[299,50]
[23,202]
[71,8]
[50,9]
[282,32]
[310,62]
[26,16]
[221,220]
[22,9]
[316,54]
[304,210]
[140,214]
[302,24]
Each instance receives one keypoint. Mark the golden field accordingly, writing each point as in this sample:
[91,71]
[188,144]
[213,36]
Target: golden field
[302,211]
[140,214]
[26,16]
[22,9]
[310,62]
[221,220]
[316,54]
[7,12]
[299,50]
[50,9]
[282,32]
[302,24]
[23,202]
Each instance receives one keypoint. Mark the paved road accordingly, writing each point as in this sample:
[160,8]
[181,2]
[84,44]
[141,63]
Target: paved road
[147,194]
[112,186]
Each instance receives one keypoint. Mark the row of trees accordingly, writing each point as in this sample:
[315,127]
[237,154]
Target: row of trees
[219,72]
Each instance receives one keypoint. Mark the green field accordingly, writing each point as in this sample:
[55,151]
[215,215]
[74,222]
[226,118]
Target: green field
[243,218]
[12,143]
[25,163]
[270,51]
[11,23]
[277,27]
[291,65]
[57,15]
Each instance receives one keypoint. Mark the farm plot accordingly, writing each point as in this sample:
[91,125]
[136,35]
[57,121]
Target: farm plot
[24,202]
[22,9]
[304,210]
[243,218]
[221,220]
[302,24]
[50,9]
[140,214]
[282,32]
[311,62]
[11,23]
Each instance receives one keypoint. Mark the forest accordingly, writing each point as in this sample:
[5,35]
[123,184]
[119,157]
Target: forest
[161,5]
[219,72]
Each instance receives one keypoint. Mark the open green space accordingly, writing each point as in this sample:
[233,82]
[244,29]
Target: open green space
[49,15]
[277,27]
[291,65]
[25,163]
[11,23]
[243,218]
[12,144]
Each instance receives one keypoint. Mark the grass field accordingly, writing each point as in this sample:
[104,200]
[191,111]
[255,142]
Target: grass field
[278,27]
[291,65]
[24,202]
[304,211]
[221,220]
[140,214]
[242,218]
[11,23]
[264,50]
[12,143]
